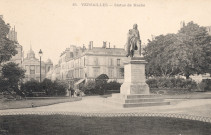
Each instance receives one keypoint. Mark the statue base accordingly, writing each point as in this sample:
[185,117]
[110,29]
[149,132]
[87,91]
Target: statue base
[134,92]
[134,77]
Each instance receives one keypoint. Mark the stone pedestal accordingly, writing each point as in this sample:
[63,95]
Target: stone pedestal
[134,78]
[134,92]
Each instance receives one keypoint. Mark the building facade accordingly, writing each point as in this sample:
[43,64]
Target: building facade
[208,28]
[77,64]
[32,67]
[18,58]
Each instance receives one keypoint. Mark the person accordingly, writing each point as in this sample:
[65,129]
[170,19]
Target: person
[133,41]
[77,92]
[72,92]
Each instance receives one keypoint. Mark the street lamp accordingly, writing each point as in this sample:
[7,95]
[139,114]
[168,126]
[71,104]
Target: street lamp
[40,54]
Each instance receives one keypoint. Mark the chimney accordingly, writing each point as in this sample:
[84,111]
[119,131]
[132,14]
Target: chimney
[15,35]
[109,44]
[84,48]
[104,44]
[182,24]
[90,45]
[114,46]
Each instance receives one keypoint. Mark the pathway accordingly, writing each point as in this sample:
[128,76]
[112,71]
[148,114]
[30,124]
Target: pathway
[96,104]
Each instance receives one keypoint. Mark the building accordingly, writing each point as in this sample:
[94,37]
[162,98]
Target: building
[32,67]
[208,28]
[12,35]
[77,64]
[18,58]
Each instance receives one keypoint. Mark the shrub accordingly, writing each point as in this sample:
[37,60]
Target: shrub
[201,86]
[60,88]
[152,82]
[99,87]
[31,86]
[48,87]
[113,85]
[190,84]
[89,87]
[208,84]
[171,82]
[164,82]
[101,82]
[4,84]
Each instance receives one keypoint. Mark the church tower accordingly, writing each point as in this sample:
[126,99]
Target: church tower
[182,24]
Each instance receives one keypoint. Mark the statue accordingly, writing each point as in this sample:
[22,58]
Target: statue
[133,41]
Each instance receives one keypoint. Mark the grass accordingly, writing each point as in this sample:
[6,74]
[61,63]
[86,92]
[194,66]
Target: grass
[75,125]
[191,95]
[16,104]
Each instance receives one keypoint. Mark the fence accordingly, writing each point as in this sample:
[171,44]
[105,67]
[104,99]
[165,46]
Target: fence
[168,115]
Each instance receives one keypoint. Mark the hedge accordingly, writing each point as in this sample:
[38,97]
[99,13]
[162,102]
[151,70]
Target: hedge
[46,88]
[171,82]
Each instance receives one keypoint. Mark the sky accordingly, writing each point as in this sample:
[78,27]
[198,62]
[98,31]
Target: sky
[54,25]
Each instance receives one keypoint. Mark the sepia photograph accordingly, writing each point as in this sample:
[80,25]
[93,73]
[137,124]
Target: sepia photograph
[105,67]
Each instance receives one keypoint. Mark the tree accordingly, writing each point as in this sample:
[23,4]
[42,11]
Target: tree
[158,55]
[60,87]
[48,87]
[198,42]
[89,87]
[31,86]
[12,75]
[185,53]
[7,47]
[101,82]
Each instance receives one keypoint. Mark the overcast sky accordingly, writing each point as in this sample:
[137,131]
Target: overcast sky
[53,25]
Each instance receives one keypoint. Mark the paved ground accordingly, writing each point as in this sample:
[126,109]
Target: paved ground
[96,104]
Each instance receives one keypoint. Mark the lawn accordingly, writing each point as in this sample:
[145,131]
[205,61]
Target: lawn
[36,102]
[77,125]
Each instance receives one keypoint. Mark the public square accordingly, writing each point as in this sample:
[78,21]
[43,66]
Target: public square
[97,104]
[105,67]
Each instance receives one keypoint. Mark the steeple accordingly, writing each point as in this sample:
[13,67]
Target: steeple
[12,35]
[30,53]
[30,46]
[182,24]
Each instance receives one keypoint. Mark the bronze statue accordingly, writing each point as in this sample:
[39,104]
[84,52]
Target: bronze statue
[133,41]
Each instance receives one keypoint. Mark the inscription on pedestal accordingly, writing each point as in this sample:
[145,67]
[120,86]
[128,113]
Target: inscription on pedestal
[137,73]
[134,82]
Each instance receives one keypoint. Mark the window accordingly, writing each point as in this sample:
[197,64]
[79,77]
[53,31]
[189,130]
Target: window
[27,69]
[32,69]
[110,73]
[96,72]
[110,62]
[76,73]
[96,61]
[118,62]
[81,73]
[43,69]
[49,68]
[84,62]
[120,73]
[37,69]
